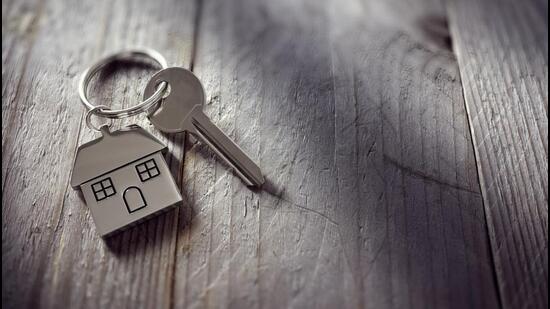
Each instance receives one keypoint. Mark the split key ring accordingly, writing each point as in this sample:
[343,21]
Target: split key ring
[143,106]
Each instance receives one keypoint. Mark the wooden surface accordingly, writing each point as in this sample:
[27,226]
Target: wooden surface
[504,69]
[358,112]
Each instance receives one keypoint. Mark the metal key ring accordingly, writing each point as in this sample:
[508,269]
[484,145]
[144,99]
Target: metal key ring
[143,106]
[91,112]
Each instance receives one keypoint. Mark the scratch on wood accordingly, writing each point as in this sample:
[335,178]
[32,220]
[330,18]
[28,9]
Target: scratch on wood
[425,176]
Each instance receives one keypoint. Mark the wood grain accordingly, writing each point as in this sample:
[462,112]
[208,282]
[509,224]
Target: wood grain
[502,49]
[362,132]
[53,255]
[38,114]
[353,109]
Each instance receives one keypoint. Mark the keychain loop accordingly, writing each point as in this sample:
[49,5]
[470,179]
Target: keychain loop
[144,106]
[92,112]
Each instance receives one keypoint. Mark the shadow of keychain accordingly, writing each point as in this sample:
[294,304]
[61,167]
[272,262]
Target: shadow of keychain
[122,174]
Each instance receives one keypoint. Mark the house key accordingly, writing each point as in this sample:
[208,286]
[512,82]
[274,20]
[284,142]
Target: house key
[182,111]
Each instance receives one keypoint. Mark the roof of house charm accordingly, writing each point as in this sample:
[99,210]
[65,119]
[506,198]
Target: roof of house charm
[124,178]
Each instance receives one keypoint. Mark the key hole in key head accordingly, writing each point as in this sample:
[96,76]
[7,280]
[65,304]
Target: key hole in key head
[165,95]
[168,89]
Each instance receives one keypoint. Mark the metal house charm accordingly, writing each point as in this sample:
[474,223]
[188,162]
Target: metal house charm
[124,178]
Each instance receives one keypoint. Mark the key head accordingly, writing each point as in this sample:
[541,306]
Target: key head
[186,93]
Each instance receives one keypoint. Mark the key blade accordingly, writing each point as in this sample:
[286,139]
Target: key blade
[231,153]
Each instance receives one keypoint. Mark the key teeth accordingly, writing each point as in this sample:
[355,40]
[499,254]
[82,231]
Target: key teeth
[254,181]
[256,178]
[258,183]
[262,181]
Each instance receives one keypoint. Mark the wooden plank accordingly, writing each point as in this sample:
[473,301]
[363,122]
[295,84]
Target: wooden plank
[135,268]
[40,129]
[18,37]
[502,49]
[53,256]
[373,198]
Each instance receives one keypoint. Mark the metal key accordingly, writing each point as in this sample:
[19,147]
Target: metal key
[182,111]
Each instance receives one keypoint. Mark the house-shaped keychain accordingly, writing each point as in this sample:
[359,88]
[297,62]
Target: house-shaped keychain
[124,178]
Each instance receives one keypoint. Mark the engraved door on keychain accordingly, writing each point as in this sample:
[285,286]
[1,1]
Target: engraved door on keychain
[124,178]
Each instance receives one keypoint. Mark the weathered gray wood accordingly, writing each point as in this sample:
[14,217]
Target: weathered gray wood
[38,114]
[502,49]
[135,269]
[354,110]
[51,254]
[362,131]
